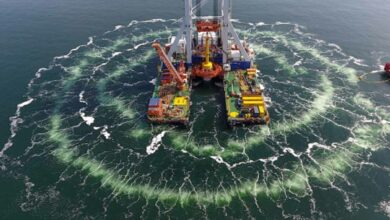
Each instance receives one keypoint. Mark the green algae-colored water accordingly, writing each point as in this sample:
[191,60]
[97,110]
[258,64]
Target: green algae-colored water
[77,145]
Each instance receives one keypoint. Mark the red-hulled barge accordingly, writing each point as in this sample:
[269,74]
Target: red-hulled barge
[387,68]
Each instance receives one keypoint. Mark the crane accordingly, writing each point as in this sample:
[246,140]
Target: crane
[207,65]
[172,70]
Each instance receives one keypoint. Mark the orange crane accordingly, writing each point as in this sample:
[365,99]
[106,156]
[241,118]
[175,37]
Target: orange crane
[172,70]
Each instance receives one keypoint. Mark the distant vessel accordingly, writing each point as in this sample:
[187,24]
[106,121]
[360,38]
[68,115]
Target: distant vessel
[210,50]
[387,68]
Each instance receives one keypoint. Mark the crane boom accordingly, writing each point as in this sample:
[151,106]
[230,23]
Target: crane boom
[172,70]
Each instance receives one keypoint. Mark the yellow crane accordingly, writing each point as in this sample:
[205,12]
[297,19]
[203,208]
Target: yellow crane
[207,65]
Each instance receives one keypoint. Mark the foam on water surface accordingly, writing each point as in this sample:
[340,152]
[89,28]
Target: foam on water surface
[89,121]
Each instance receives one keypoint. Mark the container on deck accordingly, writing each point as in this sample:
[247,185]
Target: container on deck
[155,107]
[236,65]
[256,112]
[155,102]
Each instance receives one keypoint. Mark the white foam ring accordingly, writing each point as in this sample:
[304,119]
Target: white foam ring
[385,207]
[311,146]
[38,75]
[156,143]
[81,97]
[335,46]
[133,22]
[292,152]
[138,45]
[115,54]
[261,24]
[358,61]
[220,160]
[15,121]
[105,133]
[141,44]
[153,81]
[66,56]
[157,140]
[119,27]
[89,120]
[270,159]
[282,23]
[298,63]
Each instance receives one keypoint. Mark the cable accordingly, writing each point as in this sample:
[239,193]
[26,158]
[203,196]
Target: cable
[363,78]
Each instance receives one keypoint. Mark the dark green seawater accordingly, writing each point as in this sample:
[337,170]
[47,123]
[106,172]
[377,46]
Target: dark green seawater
[75,77]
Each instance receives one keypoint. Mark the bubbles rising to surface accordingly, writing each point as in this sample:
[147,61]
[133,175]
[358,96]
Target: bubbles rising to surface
[84,125]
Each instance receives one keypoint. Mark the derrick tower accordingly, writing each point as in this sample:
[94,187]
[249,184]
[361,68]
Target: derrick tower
[225,33]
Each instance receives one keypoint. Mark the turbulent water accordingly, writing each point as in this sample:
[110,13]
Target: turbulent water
[90,152]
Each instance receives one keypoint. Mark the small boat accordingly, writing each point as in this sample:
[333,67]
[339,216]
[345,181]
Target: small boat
[387,68]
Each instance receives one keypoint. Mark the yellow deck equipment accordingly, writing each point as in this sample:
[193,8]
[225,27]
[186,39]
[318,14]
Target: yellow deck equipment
[180,101]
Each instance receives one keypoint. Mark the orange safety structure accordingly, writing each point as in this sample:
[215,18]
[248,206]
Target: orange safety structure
[207,26]
[207,70]
[164,58]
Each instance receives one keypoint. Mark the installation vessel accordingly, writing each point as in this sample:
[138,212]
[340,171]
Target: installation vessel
[207,48]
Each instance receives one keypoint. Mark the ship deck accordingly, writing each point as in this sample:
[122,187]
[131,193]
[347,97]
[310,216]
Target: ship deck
[170,105]
[244,98]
